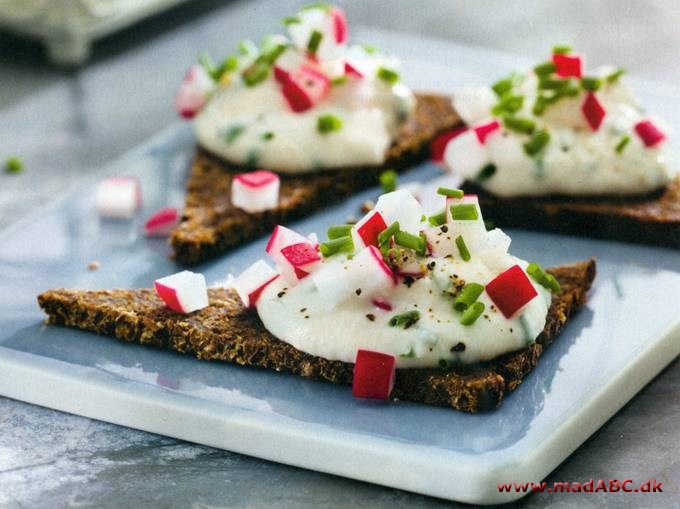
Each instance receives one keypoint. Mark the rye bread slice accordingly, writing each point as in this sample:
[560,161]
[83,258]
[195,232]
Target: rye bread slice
[226,331]
[653,219]
[210,225]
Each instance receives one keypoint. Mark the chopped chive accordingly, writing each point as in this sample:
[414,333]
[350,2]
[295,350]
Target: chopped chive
[508,104]
[229,64]
[247,47]
[561,49]
[410,241]
[471,314]
[438,219]
[614,76]
[502,87]
[207,63]
[519,124]
[542,278]
[591,83]
[467,296]
[486,172]
[337,245]
[537,142]
[339,231]
[408,354]
[541,104]
[328,123]
[444,363]
[268,136]
[385,235]
[255,73]
[464,212]
[290,20]
[552,84]
[233,132]
[14,165]
[462,248]
[388,75]
[451,192]
[389,180]
[272,54]
[252,157]
[314,41]
[371,50]
[489,224]
[621,145]
[340,80]
[405,320]
[544,69]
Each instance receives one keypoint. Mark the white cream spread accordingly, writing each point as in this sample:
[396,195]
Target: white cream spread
[578,160]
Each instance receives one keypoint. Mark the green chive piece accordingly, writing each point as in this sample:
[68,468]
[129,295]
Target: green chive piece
[207,63]
[444,363]
[451,192]
[464,212]
[340,80]
[314,42]
[229,64]
[233,132]
[408,354]
[561,49]
[471,314]
[255,73]
[614,77]
[290,20]
[489,224]
[541,104]
[337,245]
[385,236]
[621,145]
[537,142]
[542,278]
[272,54]
[502,87]
[410,241]
[247,47]
[338,231]
[437,219]
[268,136]
[544,69]
[508,104]
[328,123]
[591,83]
[462,248]
[405,320]
[389,180]
[371,50]
[388,75]
[467,296]
[486,172]
[252,157]
[14,165]
[519,124]
[552,84]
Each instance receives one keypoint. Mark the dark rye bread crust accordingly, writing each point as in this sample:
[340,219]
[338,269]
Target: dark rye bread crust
[210,225]
[653,219]
[225,331]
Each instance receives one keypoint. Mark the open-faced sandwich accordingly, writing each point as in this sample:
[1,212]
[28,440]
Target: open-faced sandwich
[323,116]
[556,148]
[426,309]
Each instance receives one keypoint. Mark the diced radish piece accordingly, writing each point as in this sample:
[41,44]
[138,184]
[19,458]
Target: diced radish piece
[511,290]
[372,274]
[483,131]
[351,70]
[252,281]
[593,111]
[161,223]
[649,133]
[281,238]
[280,74]
[118,197]
[255,191]
[335,282]
[194,91]
[441,244]
[465,156]
[374,374]
[288,61]
[382,304]
[183,292]
[402,206]
[438,145]
[473,103]
[567,66]
[339,25]
[415,188]
[304,88]
[368,229]
[304,257]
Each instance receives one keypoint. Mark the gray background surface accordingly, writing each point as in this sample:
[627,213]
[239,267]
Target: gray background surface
[66,125]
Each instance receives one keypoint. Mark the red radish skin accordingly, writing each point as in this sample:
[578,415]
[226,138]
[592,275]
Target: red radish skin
[438,145]
[301,254]
[350,70]
[382,304]
[593,111]
[374,374]
[567,66]
[511,290]
[304,88]
[649,133]
[257,178]
[339,25]
[169,296]
[377,255]
[483,131]
[371,228]
[282,237]
[254,296]
[162,222]
[281,75]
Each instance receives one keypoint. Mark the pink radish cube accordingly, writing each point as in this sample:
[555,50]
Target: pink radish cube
[369,227]
[183,292]
[484,130]
[304,257]
[439,144]
[252,281]
[162,222]
[649,133]
[465,155]
[567,66]
[511,290]
[593,111]
[374,374]
[371,273]
[351,70]
[401,206]
[304,88]
[255,191]
[339,25]
[118,197]
[194,91]
[281,238]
